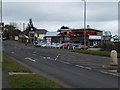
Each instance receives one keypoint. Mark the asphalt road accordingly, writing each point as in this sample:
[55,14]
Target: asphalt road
[69,68]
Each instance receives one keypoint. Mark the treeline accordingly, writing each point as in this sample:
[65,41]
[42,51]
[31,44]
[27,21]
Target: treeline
[10,31]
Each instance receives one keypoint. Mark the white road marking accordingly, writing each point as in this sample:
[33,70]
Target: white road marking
[65,62]
[83,67]
[30,59]
[18,73]
[12,52]
[47,57]
[44,57]
[110,73]
[57,57]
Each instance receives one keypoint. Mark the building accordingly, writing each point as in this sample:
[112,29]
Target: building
[93,36]
[115,39]
[52,37]
[106,37]
[40,34]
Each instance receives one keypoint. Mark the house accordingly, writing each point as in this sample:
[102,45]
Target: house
[40,34]
[115,39]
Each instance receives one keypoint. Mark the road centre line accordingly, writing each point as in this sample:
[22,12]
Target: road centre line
[110,73]
[83,67]
[65,62]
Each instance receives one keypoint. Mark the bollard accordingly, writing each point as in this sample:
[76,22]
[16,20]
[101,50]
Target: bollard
[113,58]
[113,61]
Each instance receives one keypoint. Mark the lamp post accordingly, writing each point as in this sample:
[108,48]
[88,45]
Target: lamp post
[84,22]
[1,27]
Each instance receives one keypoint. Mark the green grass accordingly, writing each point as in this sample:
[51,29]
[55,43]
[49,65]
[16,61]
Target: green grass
[99,53]
[32,81]
[10,65]
[25,80]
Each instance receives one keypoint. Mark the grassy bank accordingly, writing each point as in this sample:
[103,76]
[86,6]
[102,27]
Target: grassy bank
[99,53]
[25,80]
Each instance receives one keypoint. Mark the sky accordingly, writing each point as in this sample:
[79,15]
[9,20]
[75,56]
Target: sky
[51,14]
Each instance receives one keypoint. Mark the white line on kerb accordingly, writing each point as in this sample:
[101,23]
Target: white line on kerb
[65,62]
[30,59]
[110,73]
[83,67]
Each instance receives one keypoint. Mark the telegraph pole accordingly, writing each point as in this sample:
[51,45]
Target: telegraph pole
[84,22]
[1,27]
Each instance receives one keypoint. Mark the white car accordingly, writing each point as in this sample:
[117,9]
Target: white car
[43,45]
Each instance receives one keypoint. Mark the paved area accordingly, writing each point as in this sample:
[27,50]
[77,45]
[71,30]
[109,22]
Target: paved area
[5,83]
[0,78]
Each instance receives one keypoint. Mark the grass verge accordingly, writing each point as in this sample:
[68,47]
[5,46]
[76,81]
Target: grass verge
[99,53]
[25,80]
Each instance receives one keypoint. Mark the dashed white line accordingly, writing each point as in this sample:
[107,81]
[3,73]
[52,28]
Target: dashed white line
[83,67]
[65,62]
[109,73]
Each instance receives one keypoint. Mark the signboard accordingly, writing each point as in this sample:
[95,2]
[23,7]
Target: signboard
[31,34]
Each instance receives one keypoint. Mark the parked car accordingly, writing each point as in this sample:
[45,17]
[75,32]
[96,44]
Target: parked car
[65,45]
[81,47]
[38,44]
[43,45]
[73,45]
[54,45]
[59,45]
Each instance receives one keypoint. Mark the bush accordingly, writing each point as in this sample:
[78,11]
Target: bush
[108,46]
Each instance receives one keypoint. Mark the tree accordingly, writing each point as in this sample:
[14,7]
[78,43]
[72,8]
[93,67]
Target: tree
[11,31]
[64,27]
[30,27]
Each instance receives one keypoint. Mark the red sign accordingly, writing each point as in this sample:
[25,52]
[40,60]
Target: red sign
[90,33]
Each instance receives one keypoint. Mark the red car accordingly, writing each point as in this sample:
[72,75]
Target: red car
[66,45]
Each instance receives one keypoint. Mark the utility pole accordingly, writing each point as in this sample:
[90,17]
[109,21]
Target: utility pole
[1,27]
[84,22]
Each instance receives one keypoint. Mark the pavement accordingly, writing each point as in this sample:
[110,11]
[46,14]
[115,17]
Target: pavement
[69,68]
[5,83]
[0,78]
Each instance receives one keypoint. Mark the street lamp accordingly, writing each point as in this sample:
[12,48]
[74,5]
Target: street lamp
[84,22]
[1,27]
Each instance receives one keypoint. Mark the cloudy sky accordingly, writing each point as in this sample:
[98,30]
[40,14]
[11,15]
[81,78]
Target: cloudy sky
[52,15]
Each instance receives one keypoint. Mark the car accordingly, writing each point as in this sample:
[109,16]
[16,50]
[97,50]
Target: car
[81,47]
[38,44]
[43,45]
[54,45]
[59,45]
[73,45]
[66,45]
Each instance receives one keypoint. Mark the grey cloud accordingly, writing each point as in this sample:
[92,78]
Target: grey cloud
[64,11]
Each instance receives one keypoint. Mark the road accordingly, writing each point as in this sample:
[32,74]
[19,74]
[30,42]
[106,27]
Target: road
[66,67]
